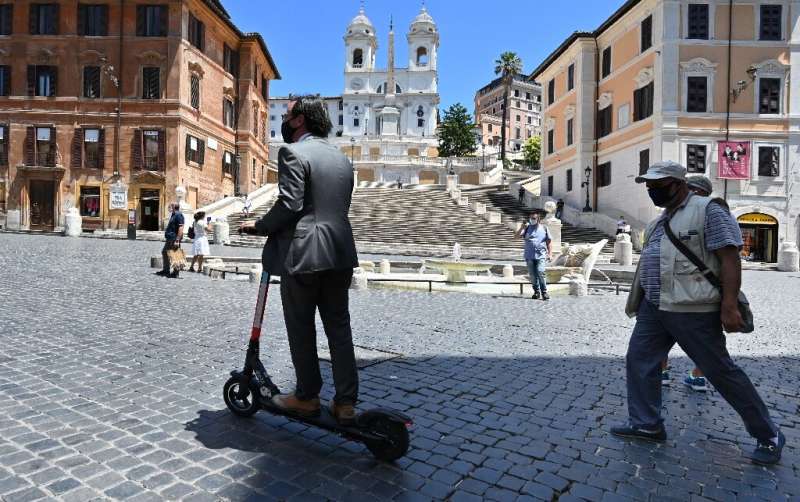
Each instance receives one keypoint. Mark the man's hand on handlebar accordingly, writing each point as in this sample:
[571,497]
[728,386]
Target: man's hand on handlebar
[248,228]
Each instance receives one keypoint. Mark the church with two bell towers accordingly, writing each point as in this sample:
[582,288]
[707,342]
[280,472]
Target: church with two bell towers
[386,118]
[391,102]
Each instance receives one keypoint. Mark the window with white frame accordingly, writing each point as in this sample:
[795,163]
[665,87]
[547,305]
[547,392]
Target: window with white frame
[698,85]
[698,21]
[770,81]
[696,158]
[769,161]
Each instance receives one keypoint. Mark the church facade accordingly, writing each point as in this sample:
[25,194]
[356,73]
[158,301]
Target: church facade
[386,118]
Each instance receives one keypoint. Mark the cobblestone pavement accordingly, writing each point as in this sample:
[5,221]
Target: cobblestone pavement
[111,378]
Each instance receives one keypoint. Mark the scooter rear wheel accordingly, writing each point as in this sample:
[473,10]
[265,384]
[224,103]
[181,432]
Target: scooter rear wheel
[395,442]
[244,405]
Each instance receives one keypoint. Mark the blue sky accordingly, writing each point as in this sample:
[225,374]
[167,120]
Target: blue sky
[305,36]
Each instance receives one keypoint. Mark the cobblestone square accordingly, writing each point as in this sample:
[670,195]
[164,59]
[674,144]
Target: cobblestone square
[111,388]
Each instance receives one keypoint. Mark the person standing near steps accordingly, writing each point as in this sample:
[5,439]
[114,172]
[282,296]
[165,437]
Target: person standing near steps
[673,303]
[537,254]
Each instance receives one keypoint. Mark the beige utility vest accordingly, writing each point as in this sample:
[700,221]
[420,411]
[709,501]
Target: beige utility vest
[683,287]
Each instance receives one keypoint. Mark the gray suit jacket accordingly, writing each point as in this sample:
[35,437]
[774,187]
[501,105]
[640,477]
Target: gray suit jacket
[308,227]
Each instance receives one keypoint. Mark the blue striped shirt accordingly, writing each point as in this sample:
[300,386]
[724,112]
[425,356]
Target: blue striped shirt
[720,229]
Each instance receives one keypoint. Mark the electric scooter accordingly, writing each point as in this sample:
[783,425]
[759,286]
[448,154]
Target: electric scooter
[383,431]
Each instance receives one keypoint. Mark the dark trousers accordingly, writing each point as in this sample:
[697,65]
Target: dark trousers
[169,245]
[700,336]
[301,295]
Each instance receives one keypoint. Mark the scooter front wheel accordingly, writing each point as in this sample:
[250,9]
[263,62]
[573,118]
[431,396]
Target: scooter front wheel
[240,401]
[395,439]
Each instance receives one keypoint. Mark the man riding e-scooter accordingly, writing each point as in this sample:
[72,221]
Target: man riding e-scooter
[311,247]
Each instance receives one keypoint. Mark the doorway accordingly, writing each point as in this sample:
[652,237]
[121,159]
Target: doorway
[149,202]
[760,237]
[42,193]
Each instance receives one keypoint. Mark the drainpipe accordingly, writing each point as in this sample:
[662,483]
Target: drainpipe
[728,88]
[236,159]
[595,157]
[120,66]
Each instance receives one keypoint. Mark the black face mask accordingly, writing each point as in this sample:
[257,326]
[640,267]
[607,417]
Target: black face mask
[287,131]
[661,196]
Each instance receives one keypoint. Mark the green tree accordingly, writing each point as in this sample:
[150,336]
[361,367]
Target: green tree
[456,137]
[508,66]
[532,150]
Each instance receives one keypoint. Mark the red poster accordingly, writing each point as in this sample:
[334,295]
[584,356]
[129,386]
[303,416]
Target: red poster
[734,160]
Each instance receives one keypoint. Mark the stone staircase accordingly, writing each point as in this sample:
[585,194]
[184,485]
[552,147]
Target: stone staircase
[513,211]
[428,221]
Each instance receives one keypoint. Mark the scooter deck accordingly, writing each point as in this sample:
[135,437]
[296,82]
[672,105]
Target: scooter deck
[324,420]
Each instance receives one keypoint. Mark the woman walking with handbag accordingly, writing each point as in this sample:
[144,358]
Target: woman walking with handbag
[200,248]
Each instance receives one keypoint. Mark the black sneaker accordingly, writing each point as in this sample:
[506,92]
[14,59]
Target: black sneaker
[767,452]
[545,296]
[173,275]
[161,273]
[535,295]
[629,431]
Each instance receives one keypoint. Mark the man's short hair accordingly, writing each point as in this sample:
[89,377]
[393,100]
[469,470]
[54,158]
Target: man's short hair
[312,107]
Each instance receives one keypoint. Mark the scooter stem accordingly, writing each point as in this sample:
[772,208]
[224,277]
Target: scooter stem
[261,304]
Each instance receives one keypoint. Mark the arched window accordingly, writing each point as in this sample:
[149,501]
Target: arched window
[358,58]
[422,56]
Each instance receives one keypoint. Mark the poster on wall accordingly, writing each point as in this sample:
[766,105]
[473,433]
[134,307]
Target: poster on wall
[733,160]
[118,198]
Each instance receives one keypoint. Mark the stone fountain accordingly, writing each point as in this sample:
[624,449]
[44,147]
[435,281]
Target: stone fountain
[456,270]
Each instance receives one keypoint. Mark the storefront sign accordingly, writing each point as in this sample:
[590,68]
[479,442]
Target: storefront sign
[118,196]
[733,160]
[756,219]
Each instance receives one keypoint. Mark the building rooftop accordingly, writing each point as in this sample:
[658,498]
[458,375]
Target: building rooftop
[627,6]
[218,9]
[519,79]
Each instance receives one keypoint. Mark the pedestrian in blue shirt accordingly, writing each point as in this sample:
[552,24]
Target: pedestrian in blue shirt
[537,253]
[173,236]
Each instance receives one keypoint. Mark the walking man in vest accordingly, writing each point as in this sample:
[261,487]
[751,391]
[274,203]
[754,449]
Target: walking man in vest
[673,302]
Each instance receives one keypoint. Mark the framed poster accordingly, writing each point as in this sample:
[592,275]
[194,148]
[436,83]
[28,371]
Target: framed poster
[733,160]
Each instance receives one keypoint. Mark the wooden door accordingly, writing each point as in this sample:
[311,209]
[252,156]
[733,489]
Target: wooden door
[42,195]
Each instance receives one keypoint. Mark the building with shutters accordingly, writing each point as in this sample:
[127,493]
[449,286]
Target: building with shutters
[191,90]
[524,112]
[673,80]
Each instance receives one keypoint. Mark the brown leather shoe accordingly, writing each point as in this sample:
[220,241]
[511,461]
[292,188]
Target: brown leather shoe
[302,407]
[345,414]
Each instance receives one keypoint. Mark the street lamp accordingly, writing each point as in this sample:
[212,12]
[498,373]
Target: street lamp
[588,171]
[108,69]
[352,149]
[479,141]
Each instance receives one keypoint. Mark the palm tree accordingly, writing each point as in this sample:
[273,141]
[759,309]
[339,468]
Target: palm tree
[508,66]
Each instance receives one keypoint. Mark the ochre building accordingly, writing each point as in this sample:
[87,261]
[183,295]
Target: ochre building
[132,97]
[678,80]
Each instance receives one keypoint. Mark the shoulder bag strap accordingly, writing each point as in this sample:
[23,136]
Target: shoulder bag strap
[707,273]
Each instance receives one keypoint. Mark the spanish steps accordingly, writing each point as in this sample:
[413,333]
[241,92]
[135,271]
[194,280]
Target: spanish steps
[424,216]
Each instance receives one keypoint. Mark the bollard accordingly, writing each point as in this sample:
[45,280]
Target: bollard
[386,267]
[788,257]
[156,262]
[508,272]
[359,279]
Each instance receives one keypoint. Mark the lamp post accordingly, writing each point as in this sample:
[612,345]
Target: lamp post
[479,141]
[108,69]
[352,150]
[588,171]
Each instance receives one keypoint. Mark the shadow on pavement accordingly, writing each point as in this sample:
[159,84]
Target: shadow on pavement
[504,427]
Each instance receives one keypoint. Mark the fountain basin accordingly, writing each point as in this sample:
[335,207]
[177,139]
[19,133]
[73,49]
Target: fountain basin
[554,273]
[456,271]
